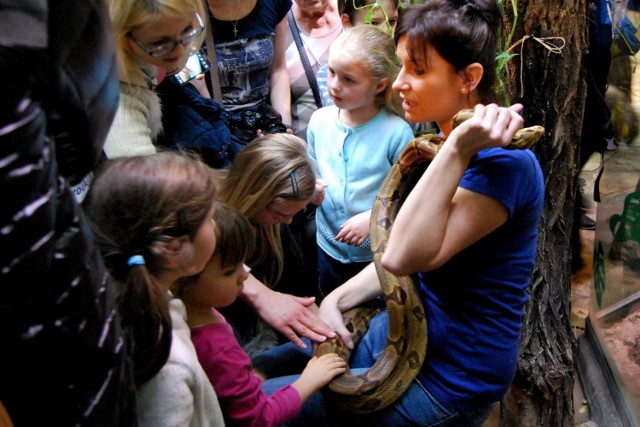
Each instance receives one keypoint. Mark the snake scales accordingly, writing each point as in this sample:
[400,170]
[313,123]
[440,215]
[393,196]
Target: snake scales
[406,346]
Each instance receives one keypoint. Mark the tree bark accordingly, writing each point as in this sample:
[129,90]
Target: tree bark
[553,93]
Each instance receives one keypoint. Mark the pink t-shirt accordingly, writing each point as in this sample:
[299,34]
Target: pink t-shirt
[239,391]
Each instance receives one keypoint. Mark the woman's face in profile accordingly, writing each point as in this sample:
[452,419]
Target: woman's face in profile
[278,213]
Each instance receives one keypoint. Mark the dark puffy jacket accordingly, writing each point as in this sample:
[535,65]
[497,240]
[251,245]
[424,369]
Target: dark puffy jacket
[63,357]
[194,123]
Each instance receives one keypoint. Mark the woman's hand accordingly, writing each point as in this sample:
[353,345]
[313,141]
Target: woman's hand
[355,230]
[288,314]
[362,287]
[331,314]
[490,126]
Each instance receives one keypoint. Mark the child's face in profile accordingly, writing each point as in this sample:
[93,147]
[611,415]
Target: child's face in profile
[216,286]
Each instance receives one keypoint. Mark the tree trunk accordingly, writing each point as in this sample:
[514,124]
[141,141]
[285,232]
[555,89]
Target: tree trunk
[553,93]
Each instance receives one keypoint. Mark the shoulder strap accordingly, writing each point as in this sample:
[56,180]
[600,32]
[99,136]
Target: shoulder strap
[211,53]
[313,84]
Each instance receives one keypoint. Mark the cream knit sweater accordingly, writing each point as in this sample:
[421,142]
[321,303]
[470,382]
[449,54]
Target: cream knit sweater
[137,123]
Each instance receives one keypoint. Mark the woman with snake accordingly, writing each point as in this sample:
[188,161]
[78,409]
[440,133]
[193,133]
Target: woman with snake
[466,232]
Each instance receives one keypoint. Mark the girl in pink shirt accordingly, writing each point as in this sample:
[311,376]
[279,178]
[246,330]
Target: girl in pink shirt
[227,365]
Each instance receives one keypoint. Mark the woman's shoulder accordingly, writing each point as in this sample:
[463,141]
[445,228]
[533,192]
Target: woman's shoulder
[276,8]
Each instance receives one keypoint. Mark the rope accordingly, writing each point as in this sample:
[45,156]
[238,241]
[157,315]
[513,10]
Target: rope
[549,45]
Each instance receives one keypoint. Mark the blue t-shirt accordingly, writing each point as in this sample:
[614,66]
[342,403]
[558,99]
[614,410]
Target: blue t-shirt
[354,162]
[475,302]
[244,61]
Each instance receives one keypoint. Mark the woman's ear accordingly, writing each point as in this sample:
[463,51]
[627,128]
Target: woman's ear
[472,75]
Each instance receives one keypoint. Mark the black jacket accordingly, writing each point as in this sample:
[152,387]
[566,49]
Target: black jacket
[63,357]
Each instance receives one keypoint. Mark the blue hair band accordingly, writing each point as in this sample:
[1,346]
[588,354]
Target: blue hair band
[135,260]
[294,184]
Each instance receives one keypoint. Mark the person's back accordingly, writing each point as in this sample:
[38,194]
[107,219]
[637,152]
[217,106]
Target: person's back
[63,357]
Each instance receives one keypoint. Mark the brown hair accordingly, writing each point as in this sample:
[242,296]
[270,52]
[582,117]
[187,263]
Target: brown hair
[235,239]
[136,205]
[462,31]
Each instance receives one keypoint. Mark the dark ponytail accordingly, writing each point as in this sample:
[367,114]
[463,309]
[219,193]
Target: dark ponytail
[135,206]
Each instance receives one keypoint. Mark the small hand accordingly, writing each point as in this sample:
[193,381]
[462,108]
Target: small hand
[355,230]
[318,197]
[324,368]
[318,373]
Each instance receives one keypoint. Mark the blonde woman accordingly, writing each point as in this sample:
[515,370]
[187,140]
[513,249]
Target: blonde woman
[153,39]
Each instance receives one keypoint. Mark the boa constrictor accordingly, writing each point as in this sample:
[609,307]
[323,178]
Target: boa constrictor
[406,346]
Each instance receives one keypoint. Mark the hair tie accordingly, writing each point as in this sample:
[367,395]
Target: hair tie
[135,260]
[294,184]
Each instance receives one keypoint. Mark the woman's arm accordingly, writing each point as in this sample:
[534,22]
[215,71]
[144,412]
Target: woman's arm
[288,314]
[438,219]
[280,90]
[361,288]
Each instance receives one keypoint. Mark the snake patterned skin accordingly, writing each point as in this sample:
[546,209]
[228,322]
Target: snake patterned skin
[406,347]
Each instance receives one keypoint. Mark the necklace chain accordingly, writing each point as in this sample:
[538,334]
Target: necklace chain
[235,29]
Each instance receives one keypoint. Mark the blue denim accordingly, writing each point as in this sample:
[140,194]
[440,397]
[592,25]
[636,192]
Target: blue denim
[415,408]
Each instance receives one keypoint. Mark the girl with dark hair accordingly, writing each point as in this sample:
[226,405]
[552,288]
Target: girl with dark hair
[152,217]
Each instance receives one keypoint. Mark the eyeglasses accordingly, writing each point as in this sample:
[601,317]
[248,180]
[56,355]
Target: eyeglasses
[166,46]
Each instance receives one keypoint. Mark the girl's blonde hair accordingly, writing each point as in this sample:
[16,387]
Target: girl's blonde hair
[128,15]
[375,50]
[273,168]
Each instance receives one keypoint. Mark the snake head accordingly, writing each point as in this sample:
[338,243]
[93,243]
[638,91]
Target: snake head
[461,116]
[526,138]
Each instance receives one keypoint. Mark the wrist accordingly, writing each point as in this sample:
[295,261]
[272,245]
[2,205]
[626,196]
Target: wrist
[252,290]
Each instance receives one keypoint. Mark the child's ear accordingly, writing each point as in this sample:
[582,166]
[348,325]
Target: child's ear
[344,18]
[382,84]
[473,74]
[169,249]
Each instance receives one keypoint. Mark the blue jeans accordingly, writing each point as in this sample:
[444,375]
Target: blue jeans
[416,407]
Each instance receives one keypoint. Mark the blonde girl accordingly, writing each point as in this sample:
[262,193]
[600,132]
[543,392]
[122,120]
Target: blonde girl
[354,142]
[227,365]
[269,182]
[152,217]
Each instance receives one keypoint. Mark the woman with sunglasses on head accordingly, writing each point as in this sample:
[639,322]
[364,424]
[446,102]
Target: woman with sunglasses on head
[153,39]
